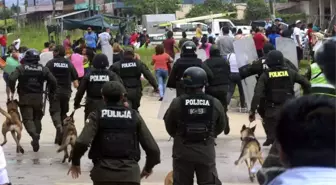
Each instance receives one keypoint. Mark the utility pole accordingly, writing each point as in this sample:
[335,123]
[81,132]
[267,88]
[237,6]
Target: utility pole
[90,8]
[4,11]
[18,13]
[94,7]
[156,7]
[272,9]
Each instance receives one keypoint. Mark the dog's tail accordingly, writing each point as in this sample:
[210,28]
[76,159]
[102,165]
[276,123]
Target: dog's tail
[5,113]
[64,144]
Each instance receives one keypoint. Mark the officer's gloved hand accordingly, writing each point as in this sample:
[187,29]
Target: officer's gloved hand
[76,106]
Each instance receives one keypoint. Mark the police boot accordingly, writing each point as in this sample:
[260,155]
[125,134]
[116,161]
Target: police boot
[35,143]
[59,134]
[268,142]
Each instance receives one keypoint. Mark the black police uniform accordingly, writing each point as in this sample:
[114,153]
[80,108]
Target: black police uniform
[276,85]
[115,148]
[31,77]
[188,59]
[130,72]
[65,73]
[92,84]
[194,120]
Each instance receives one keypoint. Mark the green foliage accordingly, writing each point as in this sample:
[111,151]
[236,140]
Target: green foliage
[291,18]
[211,7]
[15,8]
[149,6]
[256,9]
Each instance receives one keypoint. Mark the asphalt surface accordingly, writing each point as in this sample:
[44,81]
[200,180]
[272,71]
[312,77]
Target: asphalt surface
[45,167]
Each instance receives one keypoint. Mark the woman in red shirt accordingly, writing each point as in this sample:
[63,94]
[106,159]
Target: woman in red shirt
[161,61]
[259,40]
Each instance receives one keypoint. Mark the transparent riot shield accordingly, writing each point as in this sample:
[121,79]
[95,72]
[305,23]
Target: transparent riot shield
[287,47]
[246,53]
[46,57]
[201,54]
[168,97]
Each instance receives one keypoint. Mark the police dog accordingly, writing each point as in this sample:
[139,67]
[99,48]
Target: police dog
[169,179]
[250,150]
[12,123]
[69,137]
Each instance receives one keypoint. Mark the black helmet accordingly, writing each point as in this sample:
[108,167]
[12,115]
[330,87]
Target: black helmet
[274,58]
[268,47]
[100,61]
[326,58]
[188,47]
[214,51]
[194,77]
[113,89]
[31,55]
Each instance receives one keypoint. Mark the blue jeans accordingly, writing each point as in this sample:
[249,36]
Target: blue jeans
[3,50]
[161,77]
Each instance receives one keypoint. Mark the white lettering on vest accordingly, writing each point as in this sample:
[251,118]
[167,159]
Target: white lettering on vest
[61,65]
[127,65]
[197,102]
[99,78]
[38,68]
[116,114]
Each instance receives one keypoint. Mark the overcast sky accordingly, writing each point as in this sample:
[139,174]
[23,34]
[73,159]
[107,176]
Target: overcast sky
[10,2]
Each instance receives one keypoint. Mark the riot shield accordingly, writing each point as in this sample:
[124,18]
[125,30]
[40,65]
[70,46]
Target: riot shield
[168,97]
[46,57]
[199,52]
[246,53]
[288,49]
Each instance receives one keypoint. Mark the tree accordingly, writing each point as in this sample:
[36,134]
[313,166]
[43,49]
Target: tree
[15,8]
[211,7]
[256,9]
[153,6]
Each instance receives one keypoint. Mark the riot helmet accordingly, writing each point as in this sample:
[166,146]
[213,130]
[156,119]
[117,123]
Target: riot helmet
[326,58]
[268,47]
[113,91]
[188,47]
[129,53]
[100,61]
[214,51]
[194,77]
[274,58]
[31,56]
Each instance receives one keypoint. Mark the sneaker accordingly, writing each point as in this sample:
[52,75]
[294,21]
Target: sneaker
[161,99]
[58,137]
[268,142]
[35,144]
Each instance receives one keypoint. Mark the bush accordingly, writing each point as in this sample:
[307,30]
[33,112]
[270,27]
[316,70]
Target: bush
[291,18]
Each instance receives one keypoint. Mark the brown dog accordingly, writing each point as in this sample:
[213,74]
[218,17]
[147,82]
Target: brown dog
[169,179]
[69,137]
[250,150]
[12,123]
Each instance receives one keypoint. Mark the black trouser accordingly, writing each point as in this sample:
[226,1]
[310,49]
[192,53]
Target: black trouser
[260,53]
[92,105]
[31,117]
[183,173]
[134,97]
[270,120]
[115,183]
[236,80]
[299,52]
[59,107]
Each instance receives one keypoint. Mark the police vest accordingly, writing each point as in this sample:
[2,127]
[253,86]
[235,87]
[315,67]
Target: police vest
[130,73]
[221,70]
[196,123]
[279,87]
[117,136]
[31,81]
[97,78]
[184,63]
[60,69]
[319,84]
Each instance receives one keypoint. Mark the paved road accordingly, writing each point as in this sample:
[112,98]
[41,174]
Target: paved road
[45,168]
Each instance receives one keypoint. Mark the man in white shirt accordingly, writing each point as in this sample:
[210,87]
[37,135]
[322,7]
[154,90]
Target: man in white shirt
[235,80]
[306,137]
[297,39]
[17,42]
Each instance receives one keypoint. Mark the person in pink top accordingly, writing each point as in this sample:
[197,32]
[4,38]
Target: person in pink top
[161,60]
[205,45]
[78,60]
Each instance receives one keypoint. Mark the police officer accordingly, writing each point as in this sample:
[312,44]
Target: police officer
[31,76]
[130,70]
[188,59]
[276,85]
[115,149]
[194,120]
[65,73]
[326,59]
[258,67]
[92,83]
[218,87]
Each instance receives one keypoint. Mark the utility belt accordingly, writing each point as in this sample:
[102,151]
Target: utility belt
[195,133]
